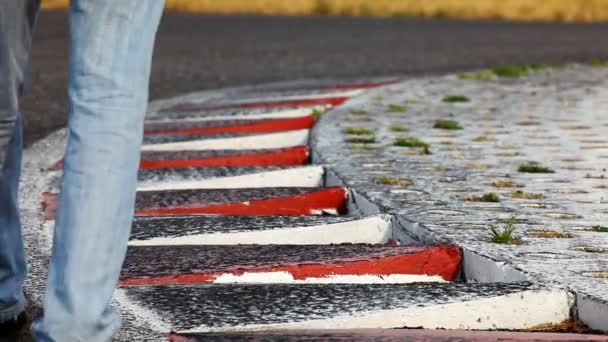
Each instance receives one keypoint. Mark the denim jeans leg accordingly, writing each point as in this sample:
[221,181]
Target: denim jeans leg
[17,19]
[12,259]
[110,58]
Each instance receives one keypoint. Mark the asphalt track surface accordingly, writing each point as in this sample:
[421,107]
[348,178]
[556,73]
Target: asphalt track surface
[197,52]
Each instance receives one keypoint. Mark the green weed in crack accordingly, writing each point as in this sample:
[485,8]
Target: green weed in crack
[505,236]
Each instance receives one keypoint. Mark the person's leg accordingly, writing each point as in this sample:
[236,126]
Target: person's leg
[110,57]
[16,25]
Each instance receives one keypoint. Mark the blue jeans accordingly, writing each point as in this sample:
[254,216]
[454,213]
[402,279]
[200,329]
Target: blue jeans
[110,56]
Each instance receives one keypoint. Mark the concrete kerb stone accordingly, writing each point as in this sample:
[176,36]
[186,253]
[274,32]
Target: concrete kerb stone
[350,306]
[268,230]
[288,263]
[37,179]
[552,117]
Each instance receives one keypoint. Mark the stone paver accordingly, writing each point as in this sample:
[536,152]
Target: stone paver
[504,129]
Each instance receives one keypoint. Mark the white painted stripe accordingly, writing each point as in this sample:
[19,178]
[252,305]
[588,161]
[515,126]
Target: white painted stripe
[370,230]
[287,278]
[344,93]
[139,312]
[277,98]
[306,177]
[513,311]
[284,114]
[252,142]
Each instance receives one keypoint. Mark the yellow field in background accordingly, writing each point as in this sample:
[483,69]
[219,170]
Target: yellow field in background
[553,10]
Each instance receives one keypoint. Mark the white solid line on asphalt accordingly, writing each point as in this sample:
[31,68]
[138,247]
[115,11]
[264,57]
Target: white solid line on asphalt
[305,177]
[250,142]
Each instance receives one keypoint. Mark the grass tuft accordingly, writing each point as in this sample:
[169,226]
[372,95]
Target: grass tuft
[384,180]
[534,167]
[506,235]
[357,131]
[397,128]
[489,197]
[455,98]
[484,75]
[395,108]
[599,229]
[540,66]
[410,142]
[597,62]
[511,71]
[358,112]
[317,112]
[447,124]
[361,140]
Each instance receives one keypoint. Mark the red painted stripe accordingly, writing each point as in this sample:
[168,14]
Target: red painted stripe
[49,205]
[299,205]
[57,166]
[365,85]
[330,101]
[286,157]
[178,279]
[441,261]
[258,127]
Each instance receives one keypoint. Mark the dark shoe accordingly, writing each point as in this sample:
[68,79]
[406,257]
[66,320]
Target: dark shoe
[13,326]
